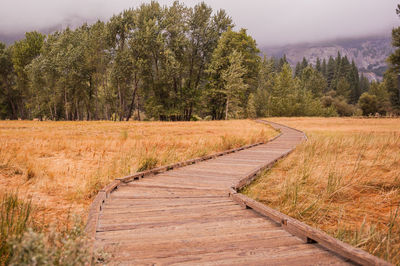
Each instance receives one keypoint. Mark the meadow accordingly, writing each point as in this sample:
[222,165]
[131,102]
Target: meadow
[62,165]
[345,180]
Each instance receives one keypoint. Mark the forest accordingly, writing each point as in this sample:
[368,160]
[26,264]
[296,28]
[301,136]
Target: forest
[178,63]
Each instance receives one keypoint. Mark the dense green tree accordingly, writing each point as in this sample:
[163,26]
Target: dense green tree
[229,42]
[297,69]
[23,52]
[394,58]
[324,68]
[330,72]
[318,65]
[392,76]
[382,97]
[8,93]
[343,88]
[234,85]
[368,104]
[354,80]
[172,63]
[391,85]
[282,61]
[313,81]
[281,94]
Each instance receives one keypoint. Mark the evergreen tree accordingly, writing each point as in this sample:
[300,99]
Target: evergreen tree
[318,65]
[394,58]
[297,70]
[354,80]
[313,81]
[343,88]
[392,76]
[391,85]
[324,69]
[304,63]
[234,85]
[364,84]
[282,61]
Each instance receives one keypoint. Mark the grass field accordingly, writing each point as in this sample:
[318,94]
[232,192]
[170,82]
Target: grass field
[62,165]
[344,180]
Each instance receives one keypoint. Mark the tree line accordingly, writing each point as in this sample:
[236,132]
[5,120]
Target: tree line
[173,63]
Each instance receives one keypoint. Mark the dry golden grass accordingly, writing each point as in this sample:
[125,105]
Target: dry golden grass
[345,180]
[63,164]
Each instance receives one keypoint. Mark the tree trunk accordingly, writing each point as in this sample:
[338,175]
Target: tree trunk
[66,105]
[226,108]
[138,107]
[133,101]
[120,103]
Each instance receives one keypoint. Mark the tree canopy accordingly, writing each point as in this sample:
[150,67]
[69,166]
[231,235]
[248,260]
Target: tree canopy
[176,63]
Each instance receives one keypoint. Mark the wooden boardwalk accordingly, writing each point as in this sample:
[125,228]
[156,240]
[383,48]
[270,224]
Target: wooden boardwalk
[188,216]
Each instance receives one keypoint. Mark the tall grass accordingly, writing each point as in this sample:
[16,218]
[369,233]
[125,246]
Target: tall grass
[64,164]
[15,217]
[345,180]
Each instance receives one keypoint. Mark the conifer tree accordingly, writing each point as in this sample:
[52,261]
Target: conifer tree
[324,68]
[318,66]
[330,72]
[392,77]
[234,85]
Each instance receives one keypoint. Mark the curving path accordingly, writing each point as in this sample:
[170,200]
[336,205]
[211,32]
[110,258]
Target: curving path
[190,215]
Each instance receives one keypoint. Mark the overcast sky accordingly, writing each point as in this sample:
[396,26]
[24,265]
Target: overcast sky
[270,22]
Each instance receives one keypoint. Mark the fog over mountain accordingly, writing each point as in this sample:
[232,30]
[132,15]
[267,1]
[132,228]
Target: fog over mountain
[369,54]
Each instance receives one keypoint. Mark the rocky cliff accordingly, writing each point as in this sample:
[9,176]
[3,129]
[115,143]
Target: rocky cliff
[369,54]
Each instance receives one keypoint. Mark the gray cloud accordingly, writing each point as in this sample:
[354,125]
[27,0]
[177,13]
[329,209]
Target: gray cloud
[270,22]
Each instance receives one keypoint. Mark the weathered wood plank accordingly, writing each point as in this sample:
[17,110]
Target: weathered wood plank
[282,252]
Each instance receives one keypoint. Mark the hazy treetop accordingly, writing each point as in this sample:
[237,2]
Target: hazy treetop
[271,22]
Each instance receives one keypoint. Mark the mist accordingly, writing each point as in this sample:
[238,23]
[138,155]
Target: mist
[270,22]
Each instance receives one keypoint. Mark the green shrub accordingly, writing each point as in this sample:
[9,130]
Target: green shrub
[368,104]
[54,248]
[23,244]
[195,118]
[147,163]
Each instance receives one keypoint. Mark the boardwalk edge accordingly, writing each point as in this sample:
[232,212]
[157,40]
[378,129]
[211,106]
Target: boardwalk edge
[305,232]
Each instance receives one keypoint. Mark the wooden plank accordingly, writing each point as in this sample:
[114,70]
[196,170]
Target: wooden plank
[190,247]
[319,257]
[281,252]
[155,208]
[166,202]
[193,228]
[112,225]
[175,214]
[158,192]
[177,181]
[202,240]
[161,185]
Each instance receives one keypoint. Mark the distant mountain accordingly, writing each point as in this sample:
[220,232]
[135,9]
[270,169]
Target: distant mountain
[369,54]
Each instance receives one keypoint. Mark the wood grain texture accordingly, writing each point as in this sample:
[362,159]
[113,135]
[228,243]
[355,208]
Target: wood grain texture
[190,213]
